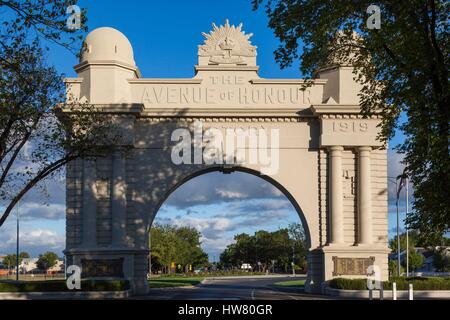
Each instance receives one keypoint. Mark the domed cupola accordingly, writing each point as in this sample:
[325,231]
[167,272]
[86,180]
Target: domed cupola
[107,44]
[106,65]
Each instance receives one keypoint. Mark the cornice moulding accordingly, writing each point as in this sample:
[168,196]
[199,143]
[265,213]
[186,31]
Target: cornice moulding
[288,81]
[73,80]
[108,108]
[226,68]
[83,65]
[319,109]
[226,112]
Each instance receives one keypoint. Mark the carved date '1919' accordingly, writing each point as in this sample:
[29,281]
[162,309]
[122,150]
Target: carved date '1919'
[350,126]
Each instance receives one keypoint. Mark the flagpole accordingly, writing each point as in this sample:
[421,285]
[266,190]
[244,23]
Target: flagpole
[17,244]
[406,227]
[398,241]
[398,187]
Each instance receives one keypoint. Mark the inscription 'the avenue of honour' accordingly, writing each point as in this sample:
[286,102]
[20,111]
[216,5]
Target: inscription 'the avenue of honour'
[223,91]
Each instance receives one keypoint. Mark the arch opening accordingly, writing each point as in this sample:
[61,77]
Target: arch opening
[282,194]
[231,170]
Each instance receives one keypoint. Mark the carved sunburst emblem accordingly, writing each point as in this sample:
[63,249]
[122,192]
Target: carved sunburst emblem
[227,44]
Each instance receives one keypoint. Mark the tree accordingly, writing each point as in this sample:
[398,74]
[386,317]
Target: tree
[162,245]
[441,259]
[297,234]
[412,237]
[179,245]
[393,271]
[416,260]
[415,240]
[39,134]
[263,247]
[403,68]
[188,248]
[24,255]
[10,261]
[46,260]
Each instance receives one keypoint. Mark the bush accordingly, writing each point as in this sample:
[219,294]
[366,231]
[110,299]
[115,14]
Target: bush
[419,283]
[393,271]
[348,284]
[60,286]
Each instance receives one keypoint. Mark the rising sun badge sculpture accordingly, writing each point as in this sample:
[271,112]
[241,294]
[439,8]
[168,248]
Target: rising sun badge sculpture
[227,45]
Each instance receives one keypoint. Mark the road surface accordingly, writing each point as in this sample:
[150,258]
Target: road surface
[256,288]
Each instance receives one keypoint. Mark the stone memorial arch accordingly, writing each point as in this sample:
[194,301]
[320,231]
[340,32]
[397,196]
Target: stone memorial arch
[330,164]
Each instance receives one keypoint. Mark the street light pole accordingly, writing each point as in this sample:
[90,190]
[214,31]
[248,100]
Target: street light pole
[406,227]
[394,180]
[293,261]
[17,245]
[398,239]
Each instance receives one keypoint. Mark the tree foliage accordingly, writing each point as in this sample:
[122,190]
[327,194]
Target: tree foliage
[441,259]
[178,245]
[263,248]
[24,255]
[46,260]
[39,133]
[393,270]
[404,71]
[416,260]
[416,241]
[412,241]
[10,261]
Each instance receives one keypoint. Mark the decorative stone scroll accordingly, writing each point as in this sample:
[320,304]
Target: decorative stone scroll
[351,266]
[97,268]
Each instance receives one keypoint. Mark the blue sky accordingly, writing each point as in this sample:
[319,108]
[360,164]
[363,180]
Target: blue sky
[165,36]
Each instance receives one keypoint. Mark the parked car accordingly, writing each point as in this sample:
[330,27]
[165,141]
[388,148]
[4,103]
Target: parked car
[246,267]
[198,270]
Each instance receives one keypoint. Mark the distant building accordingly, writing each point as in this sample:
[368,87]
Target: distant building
[427,253]
[28,265]
[57,268]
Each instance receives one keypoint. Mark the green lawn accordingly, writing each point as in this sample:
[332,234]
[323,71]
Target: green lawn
[290,283]
[167,282]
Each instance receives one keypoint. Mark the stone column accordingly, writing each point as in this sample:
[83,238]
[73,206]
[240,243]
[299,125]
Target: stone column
[337,213]
[118,198]
[89,204]
[364,196]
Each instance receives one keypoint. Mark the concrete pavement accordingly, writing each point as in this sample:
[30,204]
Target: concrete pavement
[231,288]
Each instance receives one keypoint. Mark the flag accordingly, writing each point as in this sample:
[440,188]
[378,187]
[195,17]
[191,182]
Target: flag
[401,185]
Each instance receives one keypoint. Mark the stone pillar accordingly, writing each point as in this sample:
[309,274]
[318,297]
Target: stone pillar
[89,204]
[364,196]
[337,212]
[118,199]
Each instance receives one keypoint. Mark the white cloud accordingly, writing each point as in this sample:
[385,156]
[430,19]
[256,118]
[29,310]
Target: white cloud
[33,241]
[210,228]
[214,247]
[42,238]
[216,187]
[228,194]
[42,211]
